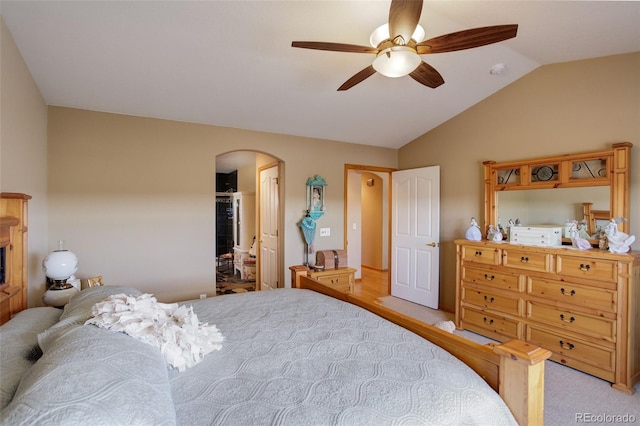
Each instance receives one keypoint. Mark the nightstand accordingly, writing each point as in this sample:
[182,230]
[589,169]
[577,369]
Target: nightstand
[342,279]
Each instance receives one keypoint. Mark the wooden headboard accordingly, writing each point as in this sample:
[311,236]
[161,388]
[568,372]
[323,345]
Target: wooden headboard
[13,242]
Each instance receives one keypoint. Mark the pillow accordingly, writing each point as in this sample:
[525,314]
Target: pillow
[78,310]
[18,339]
[93,376]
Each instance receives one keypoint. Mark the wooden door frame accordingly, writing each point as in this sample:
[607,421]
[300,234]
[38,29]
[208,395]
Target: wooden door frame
[364,168]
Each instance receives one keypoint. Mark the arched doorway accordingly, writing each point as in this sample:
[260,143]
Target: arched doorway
[238,220]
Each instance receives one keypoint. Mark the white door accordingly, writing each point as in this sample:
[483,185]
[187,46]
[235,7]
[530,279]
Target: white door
[415,252]
[268,243]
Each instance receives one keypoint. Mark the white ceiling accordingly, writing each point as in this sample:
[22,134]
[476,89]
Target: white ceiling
[230,63]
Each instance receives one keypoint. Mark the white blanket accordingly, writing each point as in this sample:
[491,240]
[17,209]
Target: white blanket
[173,329]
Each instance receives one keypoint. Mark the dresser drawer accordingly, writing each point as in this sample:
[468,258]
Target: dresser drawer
[576,295]
[487,300]
[340,282]
[602,357]
[483,255]
[581,267]
[601,328]
[528,260]
[503,280]
[493,323]
[341,278]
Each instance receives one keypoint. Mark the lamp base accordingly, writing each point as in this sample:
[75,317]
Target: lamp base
[60,285]
[58,298]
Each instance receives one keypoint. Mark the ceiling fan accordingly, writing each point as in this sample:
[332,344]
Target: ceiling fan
[397,45]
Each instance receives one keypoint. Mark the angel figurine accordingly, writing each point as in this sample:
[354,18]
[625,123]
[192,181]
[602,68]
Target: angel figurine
[494,234]
[582,230]
[500,227]
[618,241]
[497,235]
[576,240]
[473,231]
[490,233]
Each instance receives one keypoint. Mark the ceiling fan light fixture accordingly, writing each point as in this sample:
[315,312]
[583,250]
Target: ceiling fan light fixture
[381,33]
[396,61]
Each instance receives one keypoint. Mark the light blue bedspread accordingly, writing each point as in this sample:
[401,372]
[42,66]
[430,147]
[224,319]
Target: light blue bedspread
[289,357]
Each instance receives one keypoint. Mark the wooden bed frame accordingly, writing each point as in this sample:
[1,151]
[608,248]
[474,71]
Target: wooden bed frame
[514,369]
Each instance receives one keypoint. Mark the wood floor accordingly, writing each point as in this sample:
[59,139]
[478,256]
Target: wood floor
[373,284]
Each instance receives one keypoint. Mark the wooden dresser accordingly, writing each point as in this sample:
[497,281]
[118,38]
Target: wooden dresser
[342,279]
[13,254]
[584,306]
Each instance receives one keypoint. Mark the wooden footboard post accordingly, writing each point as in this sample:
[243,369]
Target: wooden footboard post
[521,383]
[296,272]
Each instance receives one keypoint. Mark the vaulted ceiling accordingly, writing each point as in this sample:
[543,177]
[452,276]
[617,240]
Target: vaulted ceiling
[230,63]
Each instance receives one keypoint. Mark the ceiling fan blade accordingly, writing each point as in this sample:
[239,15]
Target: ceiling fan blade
[467,39]
[362,75]
[334,47]
[403,18]
[427,75]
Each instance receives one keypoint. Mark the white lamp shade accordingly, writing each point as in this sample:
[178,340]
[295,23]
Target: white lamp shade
[397,61]
[60,264]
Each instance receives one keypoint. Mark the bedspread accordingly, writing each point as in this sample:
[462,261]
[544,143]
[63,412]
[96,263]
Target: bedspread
[289,357]
[296,357]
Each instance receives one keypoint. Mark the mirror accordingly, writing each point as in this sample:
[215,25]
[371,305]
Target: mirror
[565,193]
[551,207]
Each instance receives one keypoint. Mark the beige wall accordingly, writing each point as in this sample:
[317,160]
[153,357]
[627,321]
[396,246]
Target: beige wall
[23,151]
[134,197]
[556,109]
[372,226]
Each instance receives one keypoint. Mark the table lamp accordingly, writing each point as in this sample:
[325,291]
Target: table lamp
[59,266]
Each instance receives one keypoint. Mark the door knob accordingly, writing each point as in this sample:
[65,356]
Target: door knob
[432,244]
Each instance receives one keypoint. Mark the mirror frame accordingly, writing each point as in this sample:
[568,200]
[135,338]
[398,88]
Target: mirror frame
[617,165]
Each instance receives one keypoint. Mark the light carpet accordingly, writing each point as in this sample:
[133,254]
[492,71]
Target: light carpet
[570,396]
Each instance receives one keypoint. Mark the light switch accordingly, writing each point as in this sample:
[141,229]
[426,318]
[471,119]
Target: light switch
[355,226]
[325,232]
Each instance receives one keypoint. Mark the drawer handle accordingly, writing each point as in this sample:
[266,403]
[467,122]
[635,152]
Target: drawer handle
[564,345]
[567,293]
[336,281]
[487,321]
[524,259]
[489,278]
[584,267]
[478,253]
[570,320]
[490,300]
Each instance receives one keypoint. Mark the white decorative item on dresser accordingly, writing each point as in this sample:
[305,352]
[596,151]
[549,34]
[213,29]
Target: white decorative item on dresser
[244,226]
[583,305]
[473,231]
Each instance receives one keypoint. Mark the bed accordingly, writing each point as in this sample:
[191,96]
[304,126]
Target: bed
[309,355]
